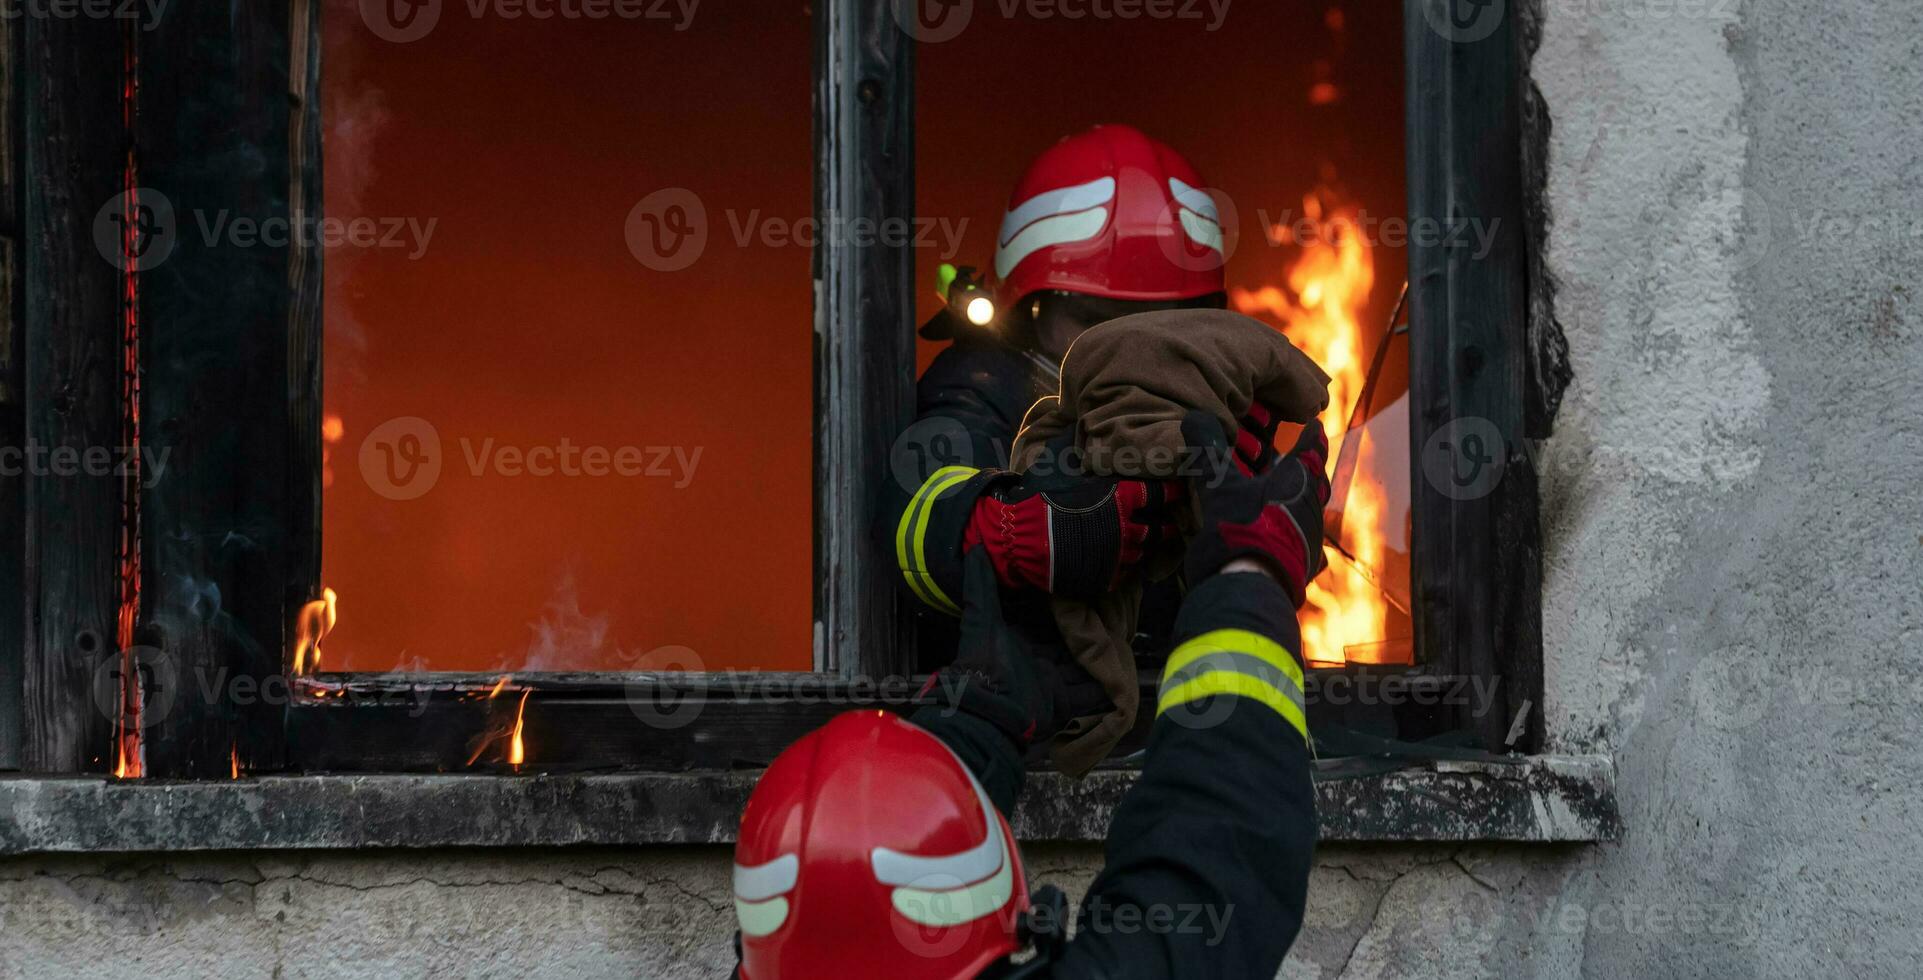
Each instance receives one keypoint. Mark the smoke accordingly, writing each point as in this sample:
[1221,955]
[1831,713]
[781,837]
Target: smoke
[565,638]
[353,116]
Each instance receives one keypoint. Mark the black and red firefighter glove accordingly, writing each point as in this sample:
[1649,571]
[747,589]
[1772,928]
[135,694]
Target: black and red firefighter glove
[1255,448]
[998,676]
[1273,517]
[1073,536]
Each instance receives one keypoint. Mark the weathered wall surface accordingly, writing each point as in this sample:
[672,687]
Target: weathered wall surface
[1732,501]
[1732,602]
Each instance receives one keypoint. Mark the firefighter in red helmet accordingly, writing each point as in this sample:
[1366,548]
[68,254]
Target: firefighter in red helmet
[1103,224]
[874,847]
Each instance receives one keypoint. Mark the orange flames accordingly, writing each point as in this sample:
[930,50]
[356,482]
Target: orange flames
[1321,311]
[516,749]
[316,619]
[332,429]
[516,744]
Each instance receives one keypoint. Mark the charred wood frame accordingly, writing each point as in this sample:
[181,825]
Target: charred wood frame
[1486,363]
[217,108]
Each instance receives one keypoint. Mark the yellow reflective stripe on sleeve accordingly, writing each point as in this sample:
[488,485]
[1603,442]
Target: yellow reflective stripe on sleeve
[914,527]
[926,587]
[1219,682]
[1235,641]
[1207,666]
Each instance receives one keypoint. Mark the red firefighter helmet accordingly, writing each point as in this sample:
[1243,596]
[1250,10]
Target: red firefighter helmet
[1110,212]
[868,850]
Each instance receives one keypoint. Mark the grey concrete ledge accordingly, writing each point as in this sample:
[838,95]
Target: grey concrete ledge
[1545,799]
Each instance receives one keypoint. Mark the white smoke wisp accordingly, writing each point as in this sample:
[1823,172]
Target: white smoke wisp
[565,638]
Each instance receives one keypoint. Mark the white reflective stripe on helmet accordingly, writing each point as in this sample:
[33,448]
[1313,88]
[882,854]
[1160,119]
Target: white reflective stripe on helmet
[1194,199]
[758,905]
[758,919]
[956,888]
[1062,200]
[1206,233]
[955,906]
[974,864]
[1059,230]
[1198,215]
[765,881]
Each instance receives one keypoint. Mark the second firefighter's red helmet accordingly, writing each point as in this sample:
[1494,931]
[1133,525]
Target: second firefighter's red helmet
[1110,212]
[869,851]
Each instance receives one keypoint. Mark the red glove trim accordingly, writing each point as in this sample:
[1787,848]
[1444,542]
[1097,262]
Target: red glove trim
[1017,538]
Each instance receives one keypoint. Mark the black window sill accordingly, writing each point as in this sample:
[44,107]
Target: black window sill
[1540,799]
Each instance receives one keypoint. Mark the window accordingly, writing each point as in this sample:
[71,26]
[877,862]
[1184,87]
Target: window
[206,564]
[1293,112]
[551,449]
[660,622]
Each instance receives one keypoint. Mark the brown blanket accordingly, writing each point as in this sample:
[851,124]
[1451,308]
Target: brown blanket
[1126,386]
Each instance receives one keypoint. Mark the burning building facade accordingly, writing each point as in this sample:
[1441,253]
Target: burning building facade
[1624,804]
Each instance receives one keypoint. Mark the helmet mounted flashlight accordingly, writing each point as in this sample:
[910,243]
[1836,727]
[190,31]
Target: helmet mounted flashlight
[967,297]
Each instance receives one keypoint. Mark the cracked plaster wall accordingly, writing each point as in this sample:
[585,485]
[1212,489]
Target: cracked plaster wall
[1731,608]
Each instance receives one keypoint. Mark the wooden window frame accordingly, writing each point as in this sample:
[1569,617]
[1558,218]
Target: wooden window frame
[1484,352]
[230,541]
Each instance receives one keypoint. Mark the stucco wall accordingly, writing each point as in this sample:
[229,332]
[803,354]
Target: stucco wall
[1732,604]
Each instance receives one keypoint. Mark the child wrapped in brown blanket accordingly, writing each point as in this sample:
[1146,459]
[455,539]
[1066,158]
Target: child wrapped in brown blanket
[1126,385]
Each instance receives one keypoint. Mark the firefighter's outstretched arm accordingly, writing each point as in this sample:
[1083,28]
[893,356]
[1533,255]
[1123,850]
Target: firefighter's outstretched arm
[968,407]
[1059,534]
[1209,853]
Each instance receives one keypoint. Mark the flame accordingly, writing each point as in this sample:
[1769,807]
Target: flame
[516,750]
[516,747]
[332,430]
[130,752]
[316,619]
[1320,310]
[233,759]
